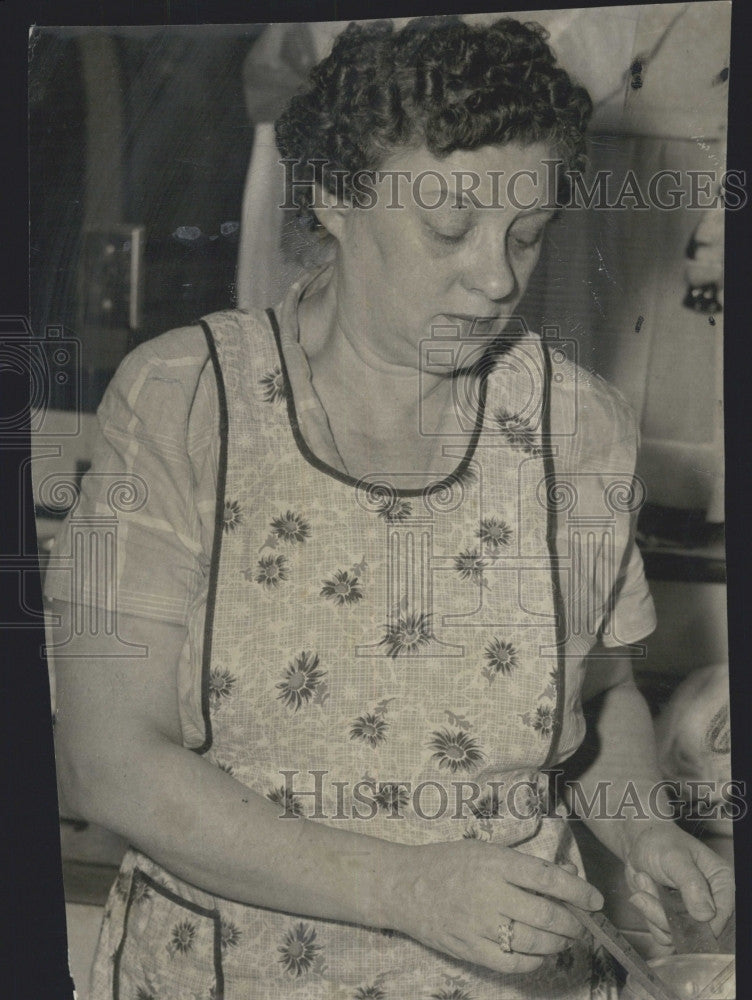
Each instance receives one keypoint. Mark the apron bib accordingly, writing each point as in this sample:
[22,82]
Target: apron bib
[381,659]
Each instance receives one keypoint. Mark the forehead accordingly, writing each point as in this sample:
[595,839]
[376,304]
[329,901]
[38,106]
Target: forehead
[487,170]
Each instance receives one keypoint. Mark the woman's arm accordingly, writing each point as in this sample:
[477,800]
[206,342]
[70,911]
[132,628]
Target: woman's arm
[625,771]
[626,756]
[121,764]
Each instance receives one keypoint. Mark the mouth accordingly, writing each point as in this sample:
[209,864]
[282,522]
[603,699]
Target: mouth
[483,326]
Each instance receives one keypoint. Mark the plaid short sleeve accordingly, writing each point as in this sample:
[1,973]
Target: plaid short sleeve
[632,614]
[152,482]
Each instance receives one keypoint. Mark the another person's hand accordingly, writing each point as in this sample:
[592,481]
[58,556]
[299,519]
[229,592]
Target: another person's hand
[664,854]
[458,894]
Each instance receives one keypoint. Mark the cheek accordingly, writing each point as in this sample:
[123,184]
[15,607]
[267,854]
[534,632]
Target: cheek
[417,272]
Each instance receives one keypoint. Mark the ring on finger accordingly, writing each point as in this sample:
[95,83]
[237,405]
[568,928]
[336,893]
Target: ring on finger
[504,935]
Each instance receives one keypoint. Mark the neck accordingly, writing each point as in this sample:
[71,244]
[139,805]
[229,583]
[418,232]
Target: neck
[339,347]
[381,414]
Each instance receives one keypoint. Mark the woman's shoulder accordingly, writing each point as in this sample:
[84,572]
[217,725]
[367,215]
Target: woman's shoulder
[186,348]
[163,388]
[590,419]
[171,382]
[600,404]
[184,354]
[598,418]
[580,398]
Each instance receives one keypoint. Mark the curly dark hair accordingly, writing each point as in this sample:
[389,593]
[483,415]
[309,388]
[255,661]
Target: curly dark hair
[437,82]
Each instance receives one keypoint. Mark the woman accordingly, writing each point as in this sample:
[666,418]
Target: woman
[352,584]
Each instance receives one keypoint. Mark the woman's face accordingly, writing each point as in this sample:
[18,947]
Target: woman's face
[407,270]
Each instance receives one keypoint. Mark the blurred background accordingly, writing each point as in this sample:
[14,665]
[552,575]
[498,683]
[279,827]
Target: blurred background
[154,201]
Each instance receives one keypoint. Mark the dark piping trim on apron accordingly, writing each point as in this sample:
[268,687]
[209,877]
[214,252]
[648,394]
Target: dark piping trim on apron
[551,530]
[217,542]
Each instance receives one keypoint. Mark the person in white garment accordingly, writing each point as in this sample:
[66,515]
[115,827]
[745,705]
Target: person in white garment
[362,624]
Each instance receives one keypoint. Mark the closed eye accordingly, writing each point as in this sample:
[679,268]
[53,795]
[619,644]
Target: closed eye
[528,232]
[447,237]
[526,242]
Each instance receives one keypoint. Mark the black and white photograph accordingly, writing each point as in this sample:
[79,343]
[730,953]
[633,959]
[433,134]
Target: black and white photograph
[377,474]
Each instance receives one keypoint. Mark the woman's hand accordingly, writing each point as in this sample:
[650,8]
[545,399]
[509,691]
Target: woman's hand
[664,854]
[457,894]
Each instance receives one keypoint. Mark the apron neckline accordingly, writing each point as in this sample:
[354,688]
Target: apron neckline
[438,485]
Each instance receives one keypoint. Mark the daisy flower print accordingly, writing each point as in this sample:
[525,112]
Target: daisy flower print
[271,571]
[407,635]
[232,516]
[488,806]
[183,935]
[392,798]
[272,385]
[139,889]
[370,728]
[494,534]
[394,510]
[541,719]
[372,992]
[518,431]
[221,684]
[299,951]
[501,656]
[291,528]
[343,588]
[285,799]
[455,750]
[230,934]
[132,884]
[302,680]
[470,565]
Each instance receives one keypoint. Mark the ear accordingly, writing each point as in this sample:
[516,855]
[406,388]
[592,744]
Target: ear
[332,211]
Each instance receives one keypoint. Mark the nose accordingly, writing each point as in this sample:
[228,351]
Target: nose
[488,271]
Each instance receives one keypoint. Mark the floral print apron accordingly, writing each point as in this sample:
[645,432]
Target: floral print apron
[371,654]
